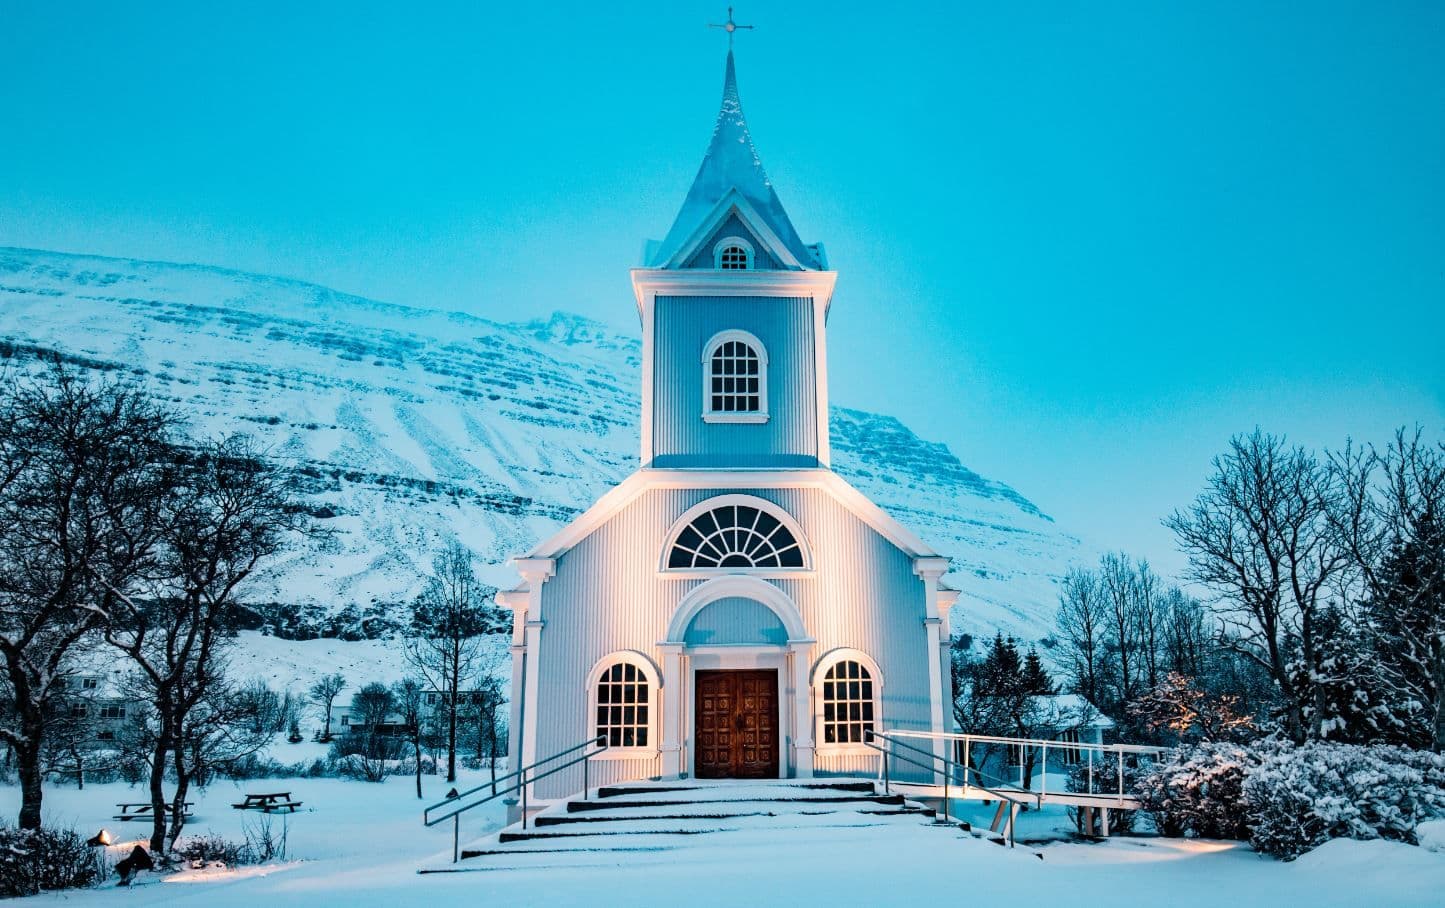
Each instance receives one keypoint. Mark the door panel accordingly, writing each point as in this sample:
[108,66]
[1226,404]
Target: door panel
[737,725]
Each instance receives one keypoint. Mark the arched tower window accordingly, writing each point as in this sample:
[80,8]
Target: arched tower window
[847,688]
[623,700]
[736,533]
[735,378]
[733,254]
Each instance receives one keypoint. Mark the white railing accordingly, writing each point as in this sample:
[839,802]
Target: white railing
[1112,756]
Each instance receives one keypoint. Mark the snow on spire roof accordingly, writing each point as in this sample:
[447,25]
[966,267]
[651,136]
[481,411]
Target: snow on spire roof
[732,163]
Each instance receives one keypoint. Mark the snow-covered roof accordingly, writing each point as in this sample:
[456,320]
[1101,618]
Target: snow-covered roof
[731,163]
[1064,711]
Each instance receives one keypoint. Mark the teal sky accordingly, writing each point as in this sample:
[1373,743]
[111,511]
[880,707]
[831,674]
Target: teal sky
[1082,243]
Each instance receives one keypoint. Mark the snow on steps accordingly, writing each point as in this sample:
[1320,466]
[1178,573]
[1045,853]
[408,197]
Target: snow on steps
[647,817]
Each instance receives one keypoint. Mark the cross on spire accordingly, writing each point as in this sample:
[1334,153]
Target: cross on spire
[730,27]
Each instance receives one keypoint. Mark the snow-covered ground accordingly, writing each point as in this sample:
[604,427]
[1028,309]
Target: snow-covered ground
[359,844]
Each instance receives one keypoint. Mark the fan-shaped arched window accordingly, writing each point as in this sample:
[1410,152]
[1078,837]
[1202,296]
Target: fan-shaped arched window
[738,533]
[735,378]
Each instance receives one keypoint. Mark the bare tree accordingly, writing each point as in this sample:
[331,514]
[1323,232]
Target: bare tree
[370,742]
[406,694]
[1082,622]
[323,694]
[450,618]
[228,510]
[1118,584]
[1393,526]
[1261,536]
[83,468]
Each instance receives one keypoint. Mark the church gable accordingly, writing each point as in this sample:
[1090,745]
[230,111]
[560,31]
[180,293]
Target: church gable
[761,257]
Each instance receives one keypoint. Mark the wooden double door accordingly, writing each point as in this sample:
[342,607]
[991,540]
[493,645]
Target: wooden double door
[737,725]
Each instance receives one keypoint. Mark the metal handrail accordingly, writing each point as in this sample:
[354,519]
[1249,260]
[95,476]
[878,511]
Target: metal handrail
[522,783]
[932,767]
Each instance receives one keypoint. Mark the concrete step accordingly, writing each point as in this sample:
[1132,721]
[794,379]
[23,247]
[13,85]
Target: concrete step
[783,797]
[613,791]
[696,826]
[723,811]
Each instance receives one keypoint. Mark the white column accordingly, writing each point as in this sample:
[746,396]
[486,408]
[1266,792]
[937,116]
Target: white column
[516,600]
[929,570]
[946,600]
[535,571]
[672,704]
[801,655]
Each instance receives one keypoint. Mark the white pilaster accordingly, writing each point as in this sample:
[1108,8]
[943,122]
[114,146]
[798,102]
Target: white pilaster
[535,571]
[673,704]
[929,569]
[801,654]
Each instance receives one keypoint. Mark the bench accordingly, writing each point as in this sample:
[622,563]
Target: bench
[136,810]
[269,802]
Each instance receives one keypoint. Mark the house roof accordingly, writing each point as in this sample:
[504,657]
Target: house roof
[1070,711]
[731,165]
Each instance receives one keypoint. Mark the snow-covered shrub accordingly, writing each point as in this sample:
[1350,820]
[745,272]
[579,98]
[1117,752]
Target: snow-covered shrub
[201,850]
[1199,790]
[33,861]
[1299,797]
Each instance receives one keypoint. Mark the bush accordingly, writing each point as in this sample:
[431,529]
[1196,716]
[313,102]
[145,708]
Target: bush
[1199,790]
[201,850]
[46,860]
[1300,797]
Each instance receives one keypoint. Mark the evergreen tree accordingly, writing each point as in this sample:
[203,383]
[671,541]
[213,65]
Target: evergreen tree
[1033,678]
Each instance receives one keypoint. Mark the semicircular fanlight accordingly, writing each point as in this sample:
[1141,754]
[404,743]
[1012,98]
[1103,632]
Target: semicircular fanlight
[735,536]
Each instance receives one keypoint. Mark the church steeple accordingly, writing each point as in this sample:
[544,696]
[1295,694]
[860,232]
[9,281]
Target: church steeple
[732,165]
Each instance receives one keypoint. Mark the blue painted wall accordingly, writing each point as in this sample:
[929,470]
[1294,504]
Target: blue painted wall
[734,622]
[682,327]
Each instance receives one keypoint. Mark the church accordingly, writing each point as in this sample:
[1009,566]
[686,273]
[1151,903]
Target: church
[734,608]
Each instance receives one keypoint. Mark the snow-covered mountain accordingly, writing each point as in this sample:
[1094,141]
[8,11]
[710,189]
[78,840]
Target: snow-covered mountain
[411,425]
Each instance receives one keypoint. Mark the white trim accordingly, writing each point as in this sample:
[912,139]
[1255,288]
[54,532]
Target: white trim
[760,349]
[734,202]
[654,703]
[815,681]
[761,591]
[735,499]
[645,480]
[741,243]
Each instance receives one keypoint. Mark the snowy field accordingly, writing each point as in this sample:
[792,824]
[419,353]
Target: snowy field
[358,844]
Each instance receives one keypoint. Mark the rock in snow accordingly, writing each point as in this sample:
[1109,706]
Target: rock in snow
[411,425]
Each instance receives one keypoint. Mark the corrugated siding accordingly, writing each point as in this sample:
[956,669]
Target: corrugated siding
[680,437]
[735,621]
[733,226]
[607,596]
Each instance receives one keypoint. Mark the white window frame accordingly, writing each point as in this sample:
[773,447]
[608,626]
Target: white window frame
[654,704]
[757,416]
[749,501]
[744,245]
[820,672]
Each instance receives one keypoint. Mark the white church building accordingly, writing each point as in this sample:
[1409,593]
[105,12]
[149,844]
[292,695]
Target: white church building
[733,609]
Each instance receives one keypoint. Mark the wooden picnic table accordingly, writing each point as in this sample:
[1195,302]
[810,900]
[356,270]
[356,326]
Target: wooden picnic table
[268,802]
[135,810]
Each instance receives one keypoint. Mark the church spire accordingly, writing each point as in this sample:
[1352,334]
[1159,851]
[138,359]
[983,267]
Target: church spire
[732,163]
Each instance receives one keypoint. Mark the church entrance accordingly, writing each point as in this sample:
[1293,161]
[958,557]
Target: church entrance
[737,725]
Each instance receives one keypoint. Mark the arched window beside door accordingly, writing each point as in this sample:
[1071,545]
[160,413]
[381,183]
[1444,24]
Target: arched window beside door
[847,688]
[622,700]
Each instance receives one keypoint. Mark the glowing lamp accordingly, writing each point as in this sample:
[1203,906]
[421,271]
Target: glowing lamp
[100,839]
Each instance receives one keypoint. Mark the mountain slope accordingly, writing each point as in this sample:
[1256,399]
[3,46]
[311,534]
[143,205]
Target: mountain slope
[411,425]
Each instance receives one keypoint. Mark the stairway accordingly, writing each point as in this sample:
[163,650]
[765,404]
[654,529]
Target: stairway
[643,817]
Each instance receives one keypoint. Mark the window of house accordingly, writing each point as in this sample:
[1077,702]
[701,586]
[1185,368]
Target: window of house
[1071,756]
[89,683]
[734,378]
[848,703]
[623,706]
[112,711]
[735,536]
[106,735]
[733,254]
[77,710]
